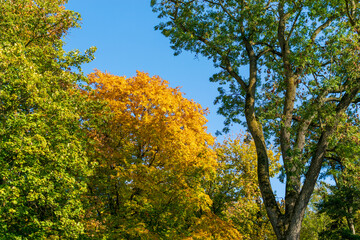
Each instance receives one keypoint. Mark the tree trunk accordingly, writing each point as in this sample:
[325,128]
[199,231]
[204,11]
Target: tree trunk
[350,221]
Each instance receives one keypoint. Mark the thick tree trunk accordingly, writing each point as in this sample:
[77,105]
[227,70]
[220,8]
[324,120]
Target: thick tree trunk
[287,224]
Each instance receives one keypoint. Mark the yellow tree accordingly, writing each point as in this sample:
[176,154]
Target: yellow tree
[152,151]
[235,190]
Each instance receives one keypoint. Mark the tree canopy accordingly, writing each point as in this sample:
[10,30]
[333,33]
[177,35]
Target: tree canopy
[152,154]
[42,159]
[235,189]
[109,157]
[302,80]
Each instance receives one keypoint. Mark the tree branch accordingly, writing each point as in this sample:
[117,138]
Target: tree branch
[225,58]
[317,159]
[320,28]
[293,25]
[270,49]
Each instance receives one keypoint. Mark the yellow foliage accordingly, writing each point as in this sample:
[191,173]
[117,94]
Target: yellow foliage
[236,189]
[211,226]
[152,151]
[169,128]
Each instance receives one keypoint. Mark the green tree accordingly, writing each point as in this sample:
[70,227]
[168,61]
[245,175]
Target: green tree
[340,201]
[302,80]
[342,206]
[314,222]
[43,163]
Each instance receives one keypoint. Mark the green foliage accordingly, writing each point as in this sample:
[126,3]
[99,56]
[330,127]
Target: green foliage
[217,29]
[301,82]
[313,224]
[341,205]
[340,201]
[155,174]
[314,221]
[43,163]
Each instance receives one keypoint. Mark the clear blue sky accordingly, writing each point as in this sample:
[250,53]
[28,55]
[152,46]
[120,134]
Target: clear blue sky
[123,32]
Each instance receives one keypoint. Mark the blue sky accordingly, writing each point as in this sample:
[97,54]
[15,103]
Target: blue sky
[123,32]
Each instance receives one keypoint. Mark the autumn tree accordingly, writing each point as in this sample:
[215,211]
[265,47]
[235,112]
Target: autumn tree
[302,80]
[43,163]
[152,152]
[235,192]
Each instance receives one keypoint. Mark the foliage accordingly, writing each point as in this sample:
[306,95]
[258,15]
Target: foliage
[302,80]
[343,208]
[340,201]
[211,226]
[235,190]
[158,174]
[314,222]
[42,159]
[152,152]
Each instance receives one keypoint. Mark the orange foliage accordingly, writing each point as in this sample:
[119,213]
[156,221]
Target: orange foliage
[152,152]
[148,113]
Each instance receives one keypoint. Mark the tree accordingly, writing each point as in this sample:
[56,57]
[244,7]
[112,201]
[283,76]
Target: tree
[152,152]
[334,208]
[340,201]
[235,192]
[314,222]
[342,206]
[303,80]
[43,163]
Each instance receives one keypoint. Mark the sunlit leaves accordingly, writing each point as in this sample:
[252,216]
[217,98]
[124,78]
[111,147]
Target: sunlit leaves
[152,153]
[302,75]
[235,190]
[43,162]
